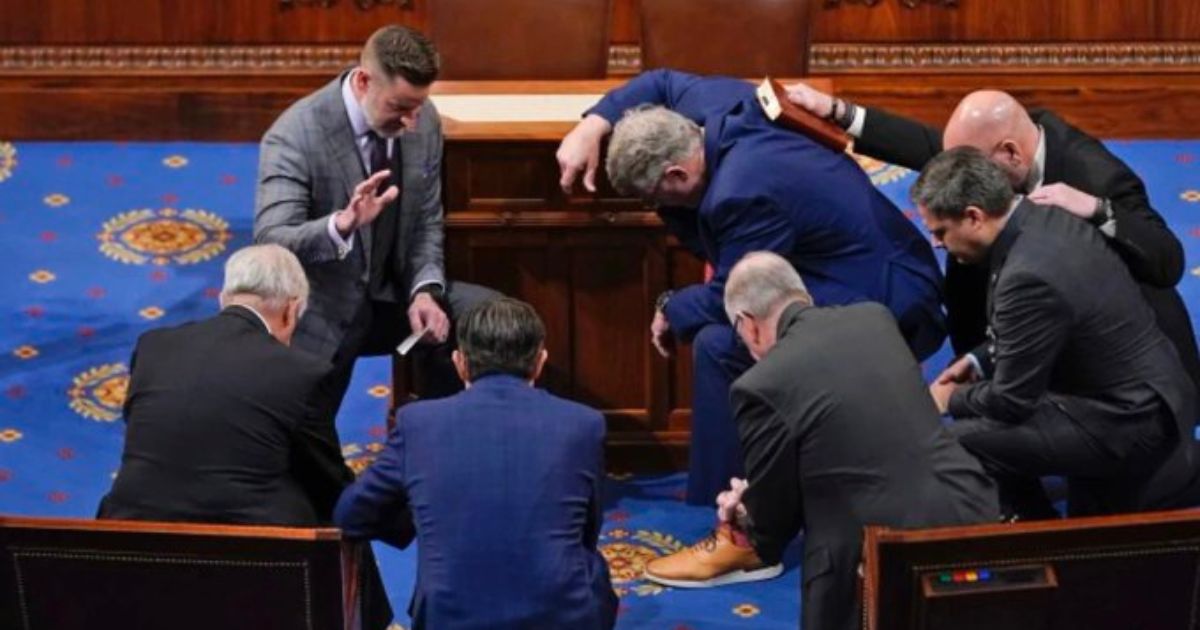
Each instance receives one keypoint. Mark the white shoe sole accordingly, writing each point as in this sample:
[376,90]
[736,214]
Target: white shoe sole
[733,577]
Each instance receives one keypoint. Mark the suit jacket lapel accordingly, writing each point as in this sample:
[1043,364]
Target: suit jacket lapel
[343,150]
[996,258]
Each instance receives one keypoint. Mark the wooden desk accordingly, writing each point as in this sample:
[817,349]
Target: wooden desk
[591,264]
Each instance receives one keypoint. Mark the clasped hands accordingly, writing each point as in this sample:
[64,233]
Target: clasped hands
[729,503]
[959,373]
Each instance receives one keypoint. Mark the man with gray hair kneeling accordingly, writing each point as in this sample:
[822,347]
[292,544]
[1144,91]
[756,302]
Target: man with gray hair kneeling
[730,181]
[222,420]
[838,431]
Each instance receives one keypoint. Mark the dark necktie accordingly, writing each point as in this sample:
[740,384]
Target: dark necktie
[383,230]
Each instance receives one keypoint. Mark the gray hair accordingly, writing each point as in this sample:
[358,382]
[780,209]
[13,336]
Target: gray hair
[647,140]
[961,177]
[760,282]
[268,272]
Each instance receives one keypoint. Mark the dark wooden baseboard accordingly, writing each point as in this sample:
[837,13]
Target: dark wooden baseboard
[647,453]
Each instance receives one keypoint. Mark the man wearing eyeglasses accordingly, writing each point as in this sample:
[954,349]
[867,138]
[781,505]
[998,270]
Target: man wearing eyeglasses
[1054,164]
[838,432]
[729,182]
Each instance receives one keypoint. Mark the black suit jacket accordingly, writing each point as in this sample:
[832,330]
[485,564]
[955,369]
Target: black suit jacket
[1068,326]
[838,431]
[1143,240]
[220,428]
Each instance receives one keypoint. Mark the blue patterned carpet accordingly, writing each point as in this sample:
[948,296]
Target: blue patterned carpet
[105,241]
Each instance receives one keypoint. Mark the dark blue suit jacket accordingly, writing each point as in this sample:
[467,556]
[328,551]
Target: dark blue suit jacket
[503,483]
[773,189]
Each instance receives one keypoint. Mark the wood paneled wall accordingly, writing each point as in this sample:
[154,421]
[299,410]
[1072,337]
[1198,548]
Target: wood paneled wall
[196,22]
[151,69]
[266,22]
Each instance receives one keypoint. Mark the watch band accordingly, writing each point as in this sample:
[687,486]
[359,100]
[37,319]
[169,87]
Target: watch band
[663,298]
[434,290]
[1103,213]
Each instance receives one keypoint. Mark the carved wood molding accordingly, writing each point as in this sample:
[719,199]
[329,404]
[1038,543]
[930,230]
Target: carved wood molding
[833,58]
[908,4]
[365,5]
[1082,56]
[623,59]
[301,59]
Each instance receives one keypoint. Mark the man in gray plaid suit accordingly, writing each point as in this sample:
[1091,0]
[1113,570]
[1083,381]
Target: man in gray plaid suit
[349,180]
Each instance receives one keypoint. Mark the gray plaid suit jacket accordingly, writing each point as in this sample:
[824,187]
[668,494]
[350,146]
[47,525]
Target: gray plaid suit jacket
[308,168]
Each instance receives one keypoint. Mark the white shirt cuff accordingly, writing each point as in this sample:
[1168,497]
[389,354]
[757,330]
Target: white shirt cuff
[1109,228]
[975,365]
[344,245]
[860,118]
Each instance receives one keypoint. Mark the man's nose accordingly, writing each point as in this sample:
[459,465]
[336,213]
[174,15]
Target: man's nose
[410,119]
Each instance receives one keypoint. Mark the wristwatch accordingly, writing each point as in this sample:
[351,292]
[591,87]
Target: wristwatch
[1103,213]
[434,290]
[663,298]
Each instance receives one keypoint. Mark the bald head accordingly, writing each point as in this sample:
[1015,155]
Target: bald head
[995,123]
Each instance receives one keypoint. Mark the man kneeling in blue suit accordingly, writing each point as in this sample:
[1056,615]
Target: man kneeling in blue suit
[730,182]
[500,485]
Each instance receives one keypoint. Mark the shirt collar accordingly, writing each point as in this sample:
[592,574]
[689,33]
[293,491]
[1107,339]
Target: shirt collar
[358,121]
[1037,172]
[1008,234]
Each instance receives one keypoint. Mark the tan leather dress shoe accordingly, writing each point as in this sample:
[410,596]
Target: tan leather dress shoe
[713,561]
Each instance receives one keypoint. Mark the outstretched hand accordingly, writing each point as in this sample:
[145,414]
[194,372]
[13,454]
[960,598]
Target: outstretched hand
[1070,199]
[579,153]
[365,204]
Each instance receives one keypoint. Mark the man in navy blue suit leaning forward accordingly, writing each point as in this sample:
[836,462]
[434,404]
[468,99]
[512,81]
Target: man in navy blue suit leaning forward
[729,182]
[500,486]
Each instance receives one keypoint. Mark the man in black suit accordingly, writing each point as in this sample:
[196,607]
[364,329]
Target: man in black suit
[1053,163]
[221,420]
[838,431]
[1075,379]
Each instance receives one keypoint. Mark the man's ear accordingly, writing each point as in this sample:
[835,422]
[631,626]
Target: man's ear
[974,216]
[359,81]
[753,327]
[540,363]
[460,367]
[290,314]
[675,172]
[1011,152]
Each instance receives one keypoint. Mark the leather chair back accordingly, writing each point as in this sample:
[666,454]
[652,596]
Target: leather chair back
[76,574]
